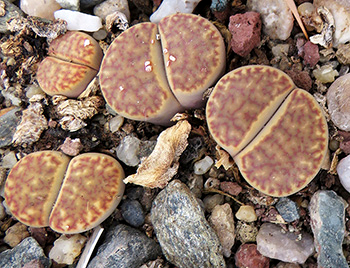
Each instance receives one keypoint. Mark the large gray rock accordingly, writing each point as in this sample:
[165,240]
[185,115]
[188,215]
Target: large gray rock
[274,243]
[186,238]
[125,247]
[327,213]
[11,11]
[8,123]
[25,252]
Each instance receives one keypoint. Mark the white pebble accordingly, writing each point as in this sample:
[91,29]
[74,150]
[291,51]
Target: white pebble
[202,166]
[169,7]
[115,123]
[343,170]
[77,21]
[246,213]
[65,249]
[128,150]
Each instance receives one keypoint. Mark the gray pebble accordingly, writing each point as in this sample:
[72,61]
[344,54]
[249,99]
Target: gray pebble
[132,212]
[327,213]
[288,209]
[23,253]
[8,123]
[186,238]
[125,247]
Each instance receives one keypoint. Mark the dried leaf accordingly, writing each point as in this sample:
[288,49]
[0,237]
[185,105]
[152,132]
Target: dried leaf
[334,163]
[224,159]
[33,123]
[43,28]
[73,112]
[162,164]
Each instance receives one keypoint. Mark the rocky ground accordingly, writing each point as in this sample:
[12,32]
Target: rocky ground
[240,226]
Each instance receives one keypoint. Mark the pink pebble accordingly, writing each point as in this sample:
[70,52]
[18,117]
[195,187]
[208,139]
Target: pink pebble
[310,54]
[245,29]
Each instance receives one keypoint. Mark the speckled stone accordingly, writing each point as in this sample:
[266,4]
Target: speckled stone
[247,256]
[327,213]
[132,212]
[12,11]
[8,123]
[288,209]
[24,253]
[186,238]
[125,247]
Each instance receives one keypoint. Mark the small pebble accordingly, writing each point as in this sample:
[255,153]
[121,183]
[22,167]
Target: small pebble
[288,209]
[69,4]
[284,246]
[245,29]
[100,35]
[246,232]
[15,234]
[71,147]
[232,188]
[66,249]
[287,265]
[280,50]
[246,213]
[212,201]
[222,221]
[128,149]
[169,7]
[327,218]
[301,79]
[247,256]
[108,7]
[77,21]
[337,101]
[310,54]
[115,123]
[33,90]
[202,166]
[132,212]
[9,160]
[276,17]
[325,74]
[40,8]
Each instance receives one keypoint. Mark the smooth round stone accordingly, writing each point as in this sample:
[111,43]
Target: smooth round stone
[110,6]
[132,213]
[343,170]
[78,21]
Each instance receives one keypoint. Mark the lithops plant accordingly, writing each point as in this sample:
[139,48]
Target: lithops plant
[47,188]
[276,133]
[74,60]
[152,71]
